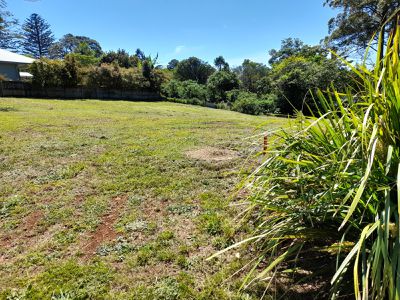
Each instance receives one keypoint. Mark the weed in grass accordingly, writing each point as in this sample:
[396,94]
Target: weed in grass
[134,200]
[167,289]
[166,255]
[165,236]
[7,109]
[71,171]
[211,223]
[144,255]
[65,237]
[121,247]
[182,262]
[138,225]
[11,205]
[181,209]
[184,249]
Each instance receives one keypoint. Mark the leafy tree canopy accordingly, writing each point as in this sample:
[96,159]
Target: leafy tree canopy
[121,57]
[8,32]
[220,82]
[295,77]
[291,47]
[249,73]
[358,21]
[194,69]
[172,64]
[220,63]
[70,43]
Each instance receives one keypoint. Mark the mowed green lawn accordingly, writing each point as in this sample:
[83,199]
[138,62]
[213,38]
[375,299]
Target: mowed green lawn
[100,199]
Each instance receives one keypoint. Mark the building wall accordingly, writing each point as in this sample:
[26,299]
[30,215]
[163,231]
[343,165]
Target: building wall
[10,71]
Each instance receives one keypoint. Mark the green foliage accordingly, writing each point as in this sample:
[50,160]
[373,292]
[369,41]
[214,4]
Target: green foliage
[37,36]
[71,44]
[193,69]
[172,64]
[294,77]
[221,64]
[253,104]
[122,58]
[212,223]
[105,76]
[114,77]
[84,60]
[295,47]
[250,73]
[334,184]
[358,21]
[219,83]
[8,31]
[70,72]
[171,89]
[52,73]
[189,90]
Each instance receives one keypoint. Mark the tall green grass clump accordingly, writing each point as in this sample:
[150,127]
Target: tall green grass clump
[330,189]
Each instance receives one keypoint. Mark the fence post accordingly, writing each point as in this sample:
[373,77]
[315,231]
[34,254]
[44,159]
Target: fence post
[1,85]
[265,144]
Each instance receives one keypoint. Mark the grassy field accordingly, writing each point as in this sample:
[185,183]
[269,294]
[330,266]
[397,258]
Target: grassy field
[119,200]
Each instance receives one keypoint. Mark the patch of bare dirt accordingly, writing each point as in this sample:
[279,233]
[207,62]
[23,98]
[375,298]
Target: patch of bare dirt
[105,232]
[24,236]
[25,231]
[31,222]
[212,154]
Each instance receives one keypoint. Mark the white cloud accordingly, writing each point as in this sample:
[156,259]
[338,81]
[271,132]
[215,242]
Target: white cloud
[179,49]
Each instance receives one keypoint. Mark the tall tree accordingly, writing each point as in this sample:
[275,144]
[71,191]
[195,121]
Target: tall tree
[358,21]
[140,54]
[37,36]
[172,64]
[8,33]
[69,43]
[220,63]
[121,57]
[195,69]
[250,73]
[295,47]
[221,82]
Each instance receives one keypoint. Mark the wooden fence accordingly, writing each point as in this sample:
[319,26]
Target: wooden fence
[25,89]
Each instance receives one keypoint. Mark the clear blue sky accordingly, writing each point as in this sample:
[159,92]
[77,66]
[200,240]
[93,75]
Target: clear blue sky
[236,29]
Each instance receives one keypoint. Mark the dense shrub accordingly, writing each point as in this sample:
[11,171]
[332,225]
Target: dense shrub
[55,73]
[121,57]
[105,76]
[188,89]
[219,83]
[171,89]
[84,60]
[192,90]
[114,77]
[250,103]
[133,79]
[83,70]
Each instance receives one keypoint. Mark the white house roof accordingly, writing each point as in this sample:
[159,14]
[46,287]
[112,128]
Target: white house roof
[25,75]
[10,57]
